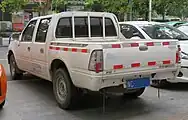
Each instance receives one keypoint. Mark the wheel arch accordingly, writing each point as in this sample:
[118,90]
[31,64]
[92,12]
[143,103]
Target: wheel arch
[10,52]
[58,63]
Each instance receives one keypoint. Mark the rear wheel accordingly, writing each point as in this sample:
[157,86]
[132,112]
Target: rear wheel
[159,83]
[135,94]
[2,104]
[64,90]
[14,70]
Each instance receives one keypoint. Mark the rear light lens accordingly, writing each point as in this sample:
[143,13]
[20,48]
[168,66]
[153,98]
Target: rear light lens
[96,61]
[178,53]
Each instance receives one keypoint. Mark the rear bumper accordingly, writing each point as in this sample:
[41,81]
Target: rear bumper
[95,82]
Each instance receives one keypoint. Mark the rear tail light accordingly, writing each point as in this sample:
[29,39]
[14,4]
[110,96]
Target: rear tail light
[96,61]
[178,53]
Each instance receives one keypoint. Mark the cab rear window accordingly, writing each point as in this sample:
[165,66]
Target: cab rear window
[109,28]
[81,27]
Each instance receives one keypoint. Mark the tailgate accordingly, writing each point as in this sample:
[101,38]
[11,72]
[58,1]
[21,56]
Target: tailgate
[140,55]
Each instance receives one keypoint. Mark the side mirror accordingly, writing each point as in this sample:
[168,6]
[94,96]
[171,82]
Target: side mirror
[15,36]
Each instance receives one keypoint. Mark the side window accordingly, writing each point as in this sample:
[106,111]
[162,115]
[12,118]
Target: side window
[96,27]
[28,32]
[136,32]
[109,28]
[42,30]
[130,31]
[81,27]
[64,28]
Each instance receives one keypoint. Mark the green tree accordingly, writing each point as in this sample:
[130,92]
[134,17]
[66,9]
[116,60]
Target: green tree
[163,6]
[45,7]
[17,5]
[58,5]
[179,8]
[119,6]
[141,8]
[13,5]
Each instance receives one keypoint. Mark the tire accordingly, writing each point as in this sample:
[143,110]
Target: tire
[135,94]
[2,104]
[14,70]
[159,84]
[65,92]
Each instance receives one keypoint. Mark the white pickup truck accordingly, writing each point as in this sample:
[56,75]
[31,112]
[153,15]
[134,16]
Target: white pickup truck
[86,51]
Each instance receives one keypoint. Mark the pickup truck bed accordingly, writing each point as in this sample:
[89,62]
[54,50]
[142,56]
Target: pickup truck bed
[123,60]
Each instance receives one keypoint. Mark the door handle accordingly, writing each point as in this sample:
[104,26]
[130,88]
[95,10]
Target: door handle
[143,48]
[41,50]
[28,48]
[18,43]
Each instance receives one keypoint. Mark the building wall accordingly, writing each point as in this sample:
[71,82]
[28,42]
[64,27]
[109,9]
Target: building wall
[5,16]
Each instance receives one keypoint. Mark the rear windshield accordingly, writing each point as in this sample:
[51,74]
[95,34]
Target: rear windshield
[163,31]
[64,27]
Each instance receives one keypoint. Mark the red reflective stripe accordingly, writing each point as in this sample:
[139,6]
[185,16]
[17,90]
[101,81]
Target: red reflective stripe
[150,44]
[135,65]
[118,66]
[69,49]
[116,46]
[166,62]
[74,49]
[84,50]
[151,63]
[166,43]
[50,47]
[134,44]
[65,49]
[54,48]
[57,48]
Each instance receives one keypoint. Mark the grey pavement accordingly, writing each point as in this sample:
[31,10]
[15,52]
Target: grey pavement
[32,99]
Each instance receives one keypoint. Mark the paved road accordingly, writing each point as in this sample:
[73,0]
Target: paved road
[5,42]
[32,99]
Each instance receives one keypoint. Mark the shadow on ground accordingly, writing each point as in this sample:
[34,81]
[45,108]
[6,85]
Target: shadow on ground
[91,105]
[177,87]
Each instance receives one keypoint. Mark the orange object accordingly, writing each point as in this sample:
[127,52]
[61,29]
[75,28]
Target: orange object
[3,86]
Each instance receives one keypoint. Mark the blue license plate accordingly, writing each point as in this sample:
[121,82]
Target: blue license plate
[138,83]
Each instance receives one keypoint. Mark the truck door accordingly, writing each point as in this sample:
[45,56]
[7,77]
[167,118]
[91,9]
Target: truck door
[23,48]
[38,49]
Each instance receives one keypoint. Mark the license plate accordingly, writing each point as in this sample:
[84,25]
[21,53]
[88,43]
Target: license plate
[138,83]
